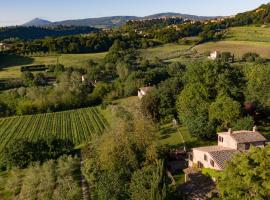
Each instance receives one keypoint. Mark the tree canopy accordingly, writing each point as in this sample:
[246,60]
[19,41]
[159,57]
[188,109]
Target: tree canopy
[247,177]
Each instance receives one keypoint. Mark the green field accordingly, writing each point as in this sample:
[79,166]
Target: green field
[240,40]
[165,52]
[69,60]
[10,65]
[171,136]
[248,33]
[76,125]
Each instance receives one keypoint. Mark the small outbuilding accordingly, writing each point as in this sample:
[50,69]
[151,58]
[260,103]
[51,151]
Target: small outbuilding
[214,55]
[143,91]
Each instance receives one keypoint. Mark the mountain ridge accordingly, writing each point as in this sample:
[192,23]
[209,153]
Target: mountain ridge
[111,21]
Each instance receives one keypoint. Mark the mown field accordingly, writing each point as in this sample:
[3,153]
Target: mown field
[165,52]
[240,40]
[76,125]
[238,48]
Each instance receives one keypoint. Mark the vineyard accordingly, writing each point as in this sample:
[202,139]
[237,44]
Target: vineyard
[76,125]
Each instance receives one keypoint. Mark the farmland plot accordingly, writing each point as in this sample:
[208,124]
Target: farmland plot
[76,125]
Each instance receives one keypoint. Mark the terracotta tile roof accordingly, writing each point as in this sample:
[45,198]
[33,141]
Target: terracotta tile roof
[246,136]
[219,154]
[222,157]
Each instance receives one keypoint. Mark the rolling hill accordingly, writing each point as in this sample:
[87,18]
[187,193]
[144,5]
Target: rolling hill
[110,22]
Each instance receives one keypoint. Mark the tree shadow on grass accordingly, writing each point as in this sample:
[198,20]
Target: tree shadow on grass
[166,132]
[11,60]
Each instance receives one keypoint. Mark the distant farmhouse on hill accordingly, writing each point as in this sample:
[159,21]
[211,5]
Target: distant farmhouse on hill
[214,55]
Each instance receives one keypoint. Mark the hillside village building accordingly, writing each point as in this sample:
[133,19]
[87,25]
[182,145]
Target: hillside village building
[229,143]
[4,47]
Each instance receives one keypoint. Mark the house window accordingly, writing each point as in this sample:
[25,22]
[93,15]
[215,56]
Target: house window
[247,146]
[212,163]
[220,139]
[200,165]
[191,157]
[205,157]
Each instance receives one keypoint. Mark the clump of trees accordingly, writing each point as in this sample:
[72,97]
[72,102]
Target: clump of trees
[126,164]
[53,180]
[252,57]
[21,153]
[211,98]
[250,172]
[30,33]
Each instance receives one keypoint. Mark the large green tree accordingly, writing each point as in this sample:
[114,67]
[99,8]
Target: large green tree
[258,90]
[225,111]
[247,177]
[211,98]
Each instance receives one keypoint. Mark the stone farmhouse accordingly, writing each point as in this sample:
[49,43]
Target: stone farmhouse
[229,143]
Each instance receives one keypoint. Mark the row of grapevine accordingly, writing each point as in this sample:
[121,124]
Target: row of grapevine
[76,125]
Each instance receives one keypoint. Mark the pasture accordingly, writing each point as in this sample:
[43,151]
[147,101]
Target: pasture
[238,48]
[78,126]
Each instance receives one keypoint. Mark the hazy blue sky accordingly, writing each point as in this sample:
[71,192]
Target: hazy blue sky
[19,11]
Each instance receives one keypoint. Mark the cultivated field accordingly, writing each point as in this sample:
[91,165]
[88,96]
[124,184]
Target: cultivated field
[76,125]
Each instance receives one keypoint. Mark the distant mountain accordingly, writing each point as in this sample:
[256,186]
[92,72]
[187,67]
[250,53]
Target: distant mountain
[37,22]
[110,22]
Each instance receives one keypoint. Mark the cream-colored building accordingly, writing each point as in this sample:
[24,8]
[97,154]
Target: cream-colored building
[229,143]
[214,55]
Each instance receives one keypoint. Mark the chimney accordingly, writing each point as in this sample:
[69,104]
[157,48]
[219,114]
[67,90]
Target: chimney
[230,131]
[255,129]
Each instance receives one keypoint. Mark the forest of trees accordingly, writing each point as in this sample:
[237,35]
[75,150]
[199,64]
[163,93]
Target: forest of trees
[30,33]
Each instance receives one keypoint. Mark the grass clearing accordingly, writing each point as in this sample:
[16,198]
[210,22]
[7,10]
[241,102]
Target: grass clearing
[170,136]
[131,104]
[164,52]
[69,60]
[249,33]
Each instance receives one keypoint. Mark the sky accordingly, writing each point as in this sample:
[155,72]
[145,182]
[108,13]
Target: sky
[16,12]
